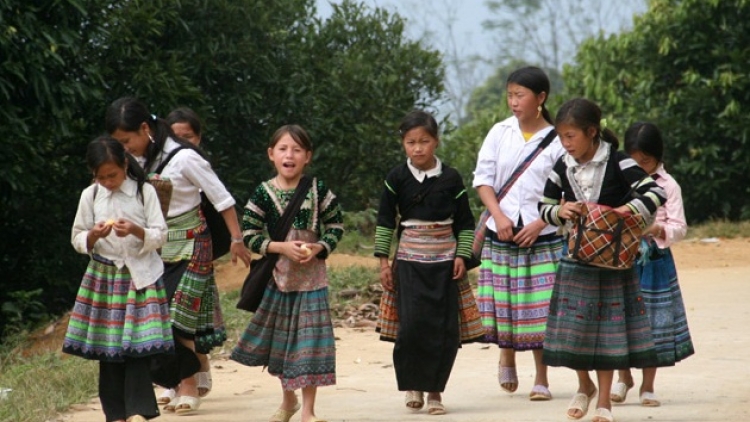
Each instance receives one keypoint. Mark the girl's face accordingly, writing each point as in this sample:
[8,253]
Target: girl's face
[579,143]
[420,148]
[136,142]
[289,158]
[186,132]
[523,102]
[110,175]
[647,162]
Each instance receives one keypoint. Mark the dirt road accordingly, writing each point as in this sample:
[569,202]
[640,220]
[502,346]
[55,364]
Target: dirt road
[712,385]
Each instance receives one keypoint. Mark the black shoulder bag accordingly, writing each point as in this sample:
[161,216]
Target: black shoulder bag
[261,270]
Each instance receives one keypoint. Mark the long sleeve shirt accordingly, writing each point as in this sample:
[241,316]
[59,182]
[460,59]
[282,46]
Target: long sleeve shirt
[671,216]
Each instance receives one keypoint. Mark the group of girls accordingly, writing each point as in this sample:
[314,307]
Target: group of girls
[530,296]
[148,307]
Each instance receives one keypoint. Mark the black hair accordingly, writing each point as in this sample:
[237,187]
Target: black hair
[185,115]
[536,80]
[106,149]
[418,118]
[644,137]
[585,114]
[297,133]
[128,114]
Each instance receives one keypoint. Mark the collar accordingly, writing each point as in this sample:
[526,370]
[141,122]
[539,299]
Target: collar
[660,172]
[421,175]
[601,155]
[514,124]
[128,187]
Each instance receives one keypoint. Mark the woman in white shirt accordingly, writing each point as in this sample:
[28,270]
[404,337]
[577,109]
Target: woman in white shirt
[520,252]
[187,256]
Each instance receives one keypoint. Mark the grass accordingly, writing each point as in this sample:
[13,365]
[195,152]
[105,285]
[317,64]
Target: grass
[47,383]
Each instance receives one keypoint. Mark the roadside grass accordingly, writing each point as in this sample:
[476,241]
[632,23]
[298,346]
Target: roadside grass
[46,383]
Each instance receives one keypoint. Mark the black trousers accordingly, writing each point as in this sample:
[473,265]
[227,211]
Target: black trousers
[125,389]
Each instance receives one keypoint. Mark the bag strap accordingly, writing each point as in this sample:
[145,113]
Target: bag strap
[442,180]
[166,160]
[295,203]
[525,164]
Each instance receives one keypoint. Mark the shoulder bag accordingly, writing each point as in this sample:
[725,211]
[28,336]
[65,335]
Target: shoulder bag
[479,232]
[261,270]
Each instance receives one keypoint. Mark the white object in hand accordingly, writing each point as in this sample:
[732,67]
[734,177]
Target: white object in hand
[110,222]
[306,250]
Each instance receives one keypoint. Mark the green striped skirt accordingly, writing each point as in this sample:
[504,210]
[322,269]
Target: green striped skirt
[597,320]
[111,320]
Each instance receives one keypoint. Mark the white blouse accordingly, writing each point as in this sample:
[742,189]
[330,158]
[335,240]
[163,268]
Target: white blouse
[98,204]
[502,151]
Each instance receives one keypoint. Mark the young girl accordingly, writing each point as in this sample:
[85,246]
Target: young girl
[656,268]
[520,252]
[435,234]
[187,255]
[291,332]
[597,320]
[121,315]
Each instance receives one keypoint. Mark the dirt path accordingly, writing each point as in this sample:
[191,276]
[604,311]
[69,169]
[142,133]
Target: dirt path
[710,386]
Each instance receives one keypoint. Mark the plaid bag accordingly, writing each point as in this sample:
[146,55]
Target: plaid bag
[605,238]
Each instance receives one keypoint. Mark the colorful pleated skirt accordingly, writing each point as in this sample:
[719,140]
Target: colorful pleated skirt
[111,320]
[292,334]
[597,320]
[515,286]
[661,294]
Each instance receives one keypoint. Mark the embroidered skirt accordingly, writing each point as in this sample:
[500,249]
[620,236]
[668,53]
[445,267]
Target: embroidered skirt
[291,333]
[515,286]
[194,307]
[666,310]
[597,320]
[111,320]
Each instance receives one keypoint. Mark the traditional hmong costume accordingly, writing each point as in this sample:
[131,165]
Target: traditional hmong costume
[291,332]
[597,317]
[121,314]
[658,277]
[428,314]
[515,283]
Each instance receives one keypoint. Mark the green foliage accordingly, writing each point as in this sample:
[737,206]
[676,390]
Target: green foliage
[247,66]
[684,67]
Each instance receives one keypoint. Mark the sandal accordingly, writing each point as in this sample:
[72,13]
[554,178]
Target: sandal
[648,399]
[540,393]
[619,392]
[187,405]
[137,418]
[169,407]
[435,407]
[414,400]
[507,375]
[204,383]
[166,396]
[580,402]
[603,414]
[282,415]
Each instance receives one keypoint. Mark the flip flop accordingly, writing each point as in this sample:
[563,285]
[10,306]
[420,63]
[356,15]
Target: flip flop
[580,402]
[435,407]
[414,400]
[508,375]
[603,414]
[187,405]
[282,415]
[648,399]
[619,392]
[540,393]
[204,382]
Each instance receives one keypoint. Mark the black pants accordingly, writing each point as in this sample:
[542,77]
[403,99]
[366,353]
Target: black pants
[125,389]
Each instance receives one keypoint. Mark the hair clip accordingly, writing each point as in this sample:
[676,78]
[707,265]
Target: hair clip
[153,117]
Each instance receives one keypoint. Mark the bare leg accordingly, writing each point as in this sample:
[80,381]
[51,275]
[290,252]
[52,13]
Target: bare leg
[649,376]
[541,369]
[308,403]
[604,378]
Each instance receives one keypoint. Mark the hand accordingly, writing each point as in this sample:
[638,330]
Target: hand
[504,227]
[123,227]
[529,233]
[101,229]
[569,210]
[312,250]
[292,250]
[459,268]
[238,250]
[386,277]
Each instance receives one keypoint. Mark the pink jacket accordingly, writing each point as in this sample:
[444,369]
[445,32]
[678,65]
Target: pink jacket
[671,216]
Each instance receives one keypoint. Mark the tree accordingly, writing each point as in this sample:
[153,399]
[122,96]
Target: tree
[684,67]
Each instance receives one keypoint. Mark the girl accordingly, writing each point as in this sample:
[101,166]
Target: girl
[291,332]
[520,252]
[597,320]
[435,235]
[121,316]
[186,124]
[656,269]
[189,272]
